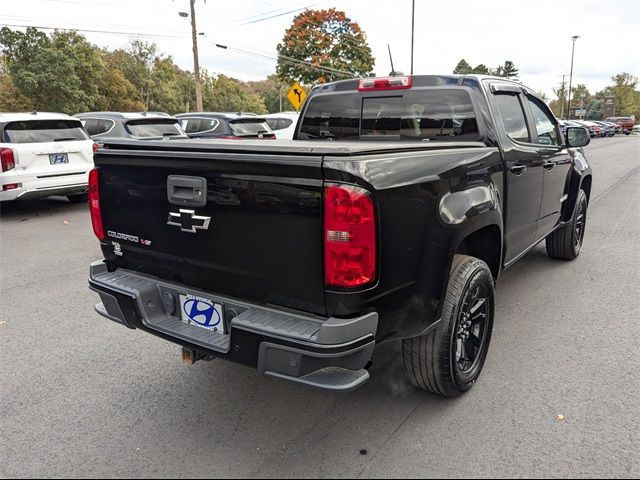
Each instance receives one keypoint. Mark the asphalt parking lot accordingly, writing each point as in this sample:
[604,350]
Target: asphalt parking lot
[83,397]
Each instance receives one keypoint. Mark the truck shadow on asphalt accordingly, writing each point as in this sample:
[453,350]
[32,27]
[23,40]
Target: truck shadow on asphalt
[265,422]
[22,210]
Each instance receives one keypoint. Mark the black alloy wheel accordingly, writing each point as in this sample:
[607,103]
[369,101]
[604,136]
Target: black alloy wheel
[471,332]
[448,360]
[579,226]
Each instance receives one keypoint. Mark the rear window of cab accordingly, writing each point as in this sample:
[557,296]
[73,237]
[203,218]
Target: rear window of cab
[42,131]
[444,114]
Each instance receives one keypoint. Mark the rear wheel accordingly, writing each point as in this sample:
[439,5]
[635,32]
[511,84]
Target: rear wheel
[448,361]
[79,198]
[566,242]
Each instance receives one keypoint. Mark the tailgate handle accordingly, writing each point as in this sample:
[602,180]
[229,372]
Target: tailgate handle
[190,191]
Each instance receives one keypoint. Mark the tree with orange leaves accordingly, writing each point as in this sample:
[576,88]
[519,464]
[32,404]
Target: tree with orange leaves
[323,45]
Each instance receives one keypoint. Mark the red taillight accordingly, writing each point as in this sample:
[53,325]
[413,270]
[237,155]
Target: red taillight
[384,83]
[349,236]
[11,186]
[95,147]
[7,159]
[94,204]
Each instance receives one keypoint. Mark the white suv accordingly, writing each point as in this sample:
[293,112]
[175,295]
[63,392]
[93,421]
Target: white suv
[44,154]
[283,124]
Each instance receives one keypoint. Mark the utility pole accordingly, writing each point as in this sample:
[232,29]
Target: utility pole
[196,62]
[562,102]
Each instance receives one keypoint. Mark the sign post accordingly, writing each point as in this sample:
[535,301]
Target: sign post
[297,96]
[609,108]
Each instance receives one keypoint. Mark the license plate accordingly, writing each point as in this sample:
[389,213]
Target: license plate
[58,158]
[201,312]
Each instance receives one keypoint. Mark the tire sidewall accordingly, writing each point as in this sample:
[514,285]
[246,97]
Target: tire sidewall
[582,200]
[479,274]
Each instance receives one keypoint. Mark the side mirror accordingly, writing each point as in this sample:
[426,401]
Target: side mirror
[577,137]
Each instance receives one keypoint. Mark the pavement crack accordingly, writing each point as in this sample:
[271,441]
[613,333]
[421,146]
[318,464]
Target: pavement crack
[616,184]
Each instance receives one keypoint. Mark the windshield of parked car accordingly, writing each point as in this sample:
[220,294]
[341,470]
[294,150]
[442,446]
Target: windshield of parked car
[249,127]
[40,131]
[147,128]
[420,115]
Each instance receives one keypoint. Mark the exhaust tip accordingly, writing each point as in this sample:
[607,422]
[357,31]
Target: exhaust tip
[188,357]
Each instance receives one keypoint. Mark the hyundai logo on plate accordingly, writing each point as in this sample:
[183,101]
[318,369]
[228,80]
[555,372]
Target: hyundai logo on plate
[202,313]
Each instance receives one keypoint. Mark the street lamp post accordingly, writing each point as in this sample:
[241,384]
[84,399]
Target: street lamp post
[573,49]
[413,25]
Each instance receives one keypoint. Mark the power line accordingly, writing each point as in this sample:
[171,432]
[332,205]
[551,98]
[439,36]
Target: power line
[272,16]
[108,32]
[71,25]
[249,20]
[286,59]
[269,12]
[107,4]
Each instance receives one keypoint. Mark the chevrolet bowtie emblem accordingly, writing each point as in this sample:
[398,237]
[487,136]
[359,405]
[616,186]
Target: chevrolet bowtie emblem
[188,221]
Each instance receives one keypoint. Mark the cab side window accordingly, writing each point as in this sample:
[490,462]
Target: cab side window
[512,116]
[546,125]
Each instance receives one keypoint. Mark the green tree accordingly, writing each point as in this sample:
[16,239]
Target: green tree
[559,104]
[11,100]
[594,109]
[116,92]
[323,39]
[463,68]
[627,97]
[168,87]
[136,63]
[482,70]
[58,73]
[270,90]
[507,70]
[580,98]
[160,85]
[226,94]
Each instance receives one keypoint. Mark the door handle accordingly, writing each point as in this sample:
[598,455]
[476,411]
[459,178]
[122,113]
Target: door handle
[518,169]
[548,165]
[189,191]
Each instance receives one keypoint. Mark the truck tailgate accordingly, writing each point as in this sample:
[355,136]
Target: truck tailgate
[257,237]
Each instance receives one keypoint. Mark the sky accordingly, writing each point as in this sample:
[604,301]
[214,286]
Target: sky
[536,36]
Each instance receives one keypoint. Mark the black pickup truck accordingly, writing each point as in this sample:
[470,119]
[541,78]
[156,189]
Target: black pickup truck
[389,218]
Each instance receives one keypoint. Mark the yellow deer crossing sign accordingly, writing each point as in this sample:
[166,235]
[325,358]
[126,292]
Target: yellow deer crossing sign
[296,95]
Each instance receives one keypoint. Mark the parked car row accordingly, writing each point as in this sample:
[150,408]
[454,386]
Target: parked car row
[597,128]
[220,125]
[625,123]
[47,154]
